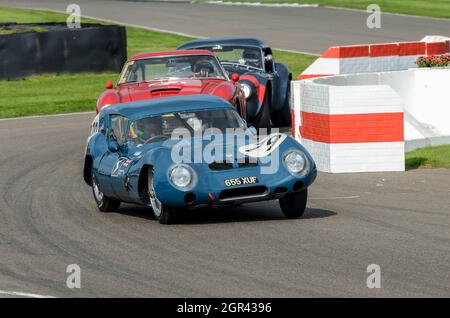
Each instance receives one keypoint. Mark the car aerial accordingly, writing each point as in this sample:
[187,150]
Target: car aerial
[266,82]
[131,156]
[171,73]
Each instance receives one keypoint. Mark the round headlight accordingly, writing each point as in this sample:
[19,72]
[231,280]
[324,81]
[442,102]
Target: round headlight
[182,177]
[247,90]
[295,162]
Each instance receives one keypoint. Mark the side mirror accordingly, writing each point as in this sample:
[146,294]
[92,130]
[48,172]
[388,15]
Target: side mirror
[235,77]
[113,145]
[109,85]
[269,58]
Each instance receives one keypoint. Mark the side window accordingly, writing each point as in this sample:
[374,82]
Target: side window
[119,126]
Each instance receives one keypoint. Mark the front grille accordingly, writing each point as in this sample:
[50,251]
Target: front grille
[220,165]
[245,192]
[246,162]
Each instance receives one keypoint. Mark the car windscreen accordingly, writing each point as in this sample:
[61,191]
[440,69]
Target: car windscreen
[249,56]
[157,128]
[170,67]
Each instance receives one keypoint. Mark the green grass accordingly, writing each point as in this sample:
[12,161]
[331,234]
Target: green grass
[13,30]
[30,16]
[431,8]
[9,31]
[295,61]
[51,94]
[430,157]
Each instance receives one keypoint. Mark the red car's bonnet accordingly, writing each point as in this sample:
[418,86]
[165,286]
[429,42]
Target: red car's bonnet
[165,88]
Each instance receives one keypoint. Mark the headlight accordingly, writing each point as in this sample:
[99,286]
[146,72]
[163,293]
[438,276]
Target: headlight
[296,163]
[182,177]
[247,90]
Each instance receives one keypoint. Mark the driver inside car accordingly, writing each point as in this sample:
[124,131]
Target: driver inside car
[252,57]
[144,130]
[203,68]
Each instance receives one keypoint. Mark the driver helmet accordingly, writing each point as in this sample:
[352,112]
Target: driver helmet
[252,56]
[146,128]
[204,67]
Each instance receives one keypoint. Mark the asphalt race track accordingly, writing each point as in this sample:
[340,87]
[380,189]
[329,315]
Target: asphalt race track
[399,221]
[302,29]
[48,220]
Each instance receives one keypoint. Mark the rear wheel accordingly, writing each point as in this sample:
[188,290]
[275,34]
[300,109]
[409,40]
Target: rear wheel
[163,213]
[104,203]
[293,204]
[282,117]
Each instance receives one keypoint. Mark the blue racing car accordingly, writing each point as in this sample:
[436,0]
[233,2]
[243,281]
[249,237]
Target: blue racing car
[182,152]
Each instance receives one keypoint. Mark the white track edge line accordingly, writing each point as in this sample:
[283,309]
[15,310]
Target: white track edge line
[335,198]
[49,115]
[387,13]
[21,294]
[115,22]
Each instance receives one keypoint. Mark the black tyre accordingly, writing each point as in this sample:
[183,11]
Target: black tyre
[282,117]
[163,213]
[293,204]
[262,120]
[104,204]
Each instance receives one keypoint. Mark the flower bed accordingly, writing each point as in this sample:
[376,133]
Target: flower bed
[434,61]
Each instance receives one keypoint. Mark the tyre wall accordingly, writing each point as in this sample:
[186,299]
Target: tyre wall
[92,48]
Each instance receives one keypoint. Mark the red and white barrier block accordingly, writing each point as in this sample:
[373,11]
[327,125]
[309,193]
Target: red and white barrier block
[372,58]
[357,127]
[346,129]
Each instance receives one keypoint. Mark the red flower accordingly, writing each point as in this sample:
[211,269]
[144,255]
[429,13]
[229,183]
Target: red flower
[433,61]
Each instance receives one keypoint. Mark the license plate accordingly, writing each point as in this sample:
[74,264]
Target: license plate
[241,181]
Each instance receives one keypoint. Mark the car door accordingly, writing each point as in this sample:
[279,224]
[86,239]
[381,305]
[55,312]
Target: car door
[114,164]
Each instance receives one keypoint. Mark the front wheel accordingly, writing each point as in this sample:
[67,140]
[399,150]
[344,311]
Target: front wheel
[163,213]
[262,120]
[282,118]
[293,204]
[104,203]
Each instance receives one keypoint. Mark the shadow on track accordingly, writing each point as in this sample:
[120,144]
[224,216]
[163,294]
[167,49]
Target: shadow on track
[209,215]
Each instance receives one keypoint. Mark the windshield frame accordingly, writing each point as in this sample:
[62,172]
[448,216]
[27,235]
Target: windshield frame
[126,65]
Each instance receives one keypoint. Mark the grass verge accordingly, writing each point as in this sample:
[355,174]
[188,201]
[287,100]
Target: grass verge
[430,8]
[430,157]
[51,94]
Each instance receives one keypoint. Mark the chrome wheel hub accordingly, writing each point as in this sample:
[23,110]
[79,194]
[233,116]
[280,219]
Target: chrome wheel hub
[155,203]
[97,193]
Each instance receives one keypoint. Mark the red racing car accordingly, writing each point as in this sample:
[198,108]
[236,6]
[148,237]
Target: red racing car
[163,74]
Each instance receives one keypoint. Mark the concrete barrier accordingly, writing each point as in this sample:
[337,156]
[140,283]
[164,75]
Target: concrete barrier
[351,129]
[365,122]
[374,58]
[346,106]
